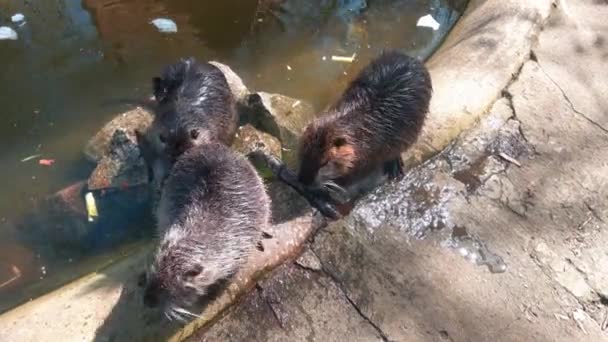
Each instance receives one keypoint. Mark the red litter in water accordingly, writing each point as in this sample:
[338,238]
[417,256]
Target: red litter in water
[46,162]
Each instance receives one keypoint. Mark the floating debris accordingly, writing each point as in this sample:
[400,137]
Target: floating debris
[16,275]
[28,158]
[164,25]
[344,59]
[288,67]
[17,18]
[46,162]
[428,21]
[295,104]
[91,206]
[7,33]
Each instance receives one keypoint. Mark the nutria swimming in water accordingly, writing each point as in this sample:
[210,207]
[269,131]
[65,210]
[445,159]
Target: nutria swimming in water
[194,105]
[211,216]
[378,117]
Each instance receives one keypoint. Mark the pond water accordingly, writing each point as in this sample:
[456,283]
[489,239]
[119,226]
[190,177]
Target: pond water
[77,63]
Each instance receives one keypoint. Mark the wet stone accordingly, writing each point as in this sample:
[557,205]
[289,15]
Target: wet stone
[249,139]
[59,225]
[128,122]
[121,167]
[238,88]
[281,116]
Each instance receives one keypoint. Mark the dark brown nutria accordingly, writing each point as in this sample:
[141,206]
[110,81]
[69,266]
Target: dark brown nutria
[379,116]
[194,105]
[358,143]
[211,216]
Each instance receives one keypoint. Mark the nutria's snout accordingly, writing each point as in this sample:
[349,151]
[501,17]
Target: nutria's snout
[154,295]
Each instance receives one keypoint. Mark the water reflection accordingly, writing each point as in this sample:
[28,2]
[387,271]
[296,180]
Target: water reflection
[72,56]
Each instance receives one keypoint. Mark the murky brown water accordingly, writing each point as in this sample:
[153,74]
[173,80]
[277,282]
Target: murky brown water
[60,81]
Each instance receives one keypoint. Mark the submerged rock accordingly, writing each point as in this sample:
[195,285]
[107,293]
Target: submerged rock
[58,226]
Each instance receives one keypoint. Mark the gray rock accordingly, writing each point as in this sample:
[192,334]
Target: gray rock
[239,90]
[309,260]
[97,147]
[249,139]
[121,167]
[281,116]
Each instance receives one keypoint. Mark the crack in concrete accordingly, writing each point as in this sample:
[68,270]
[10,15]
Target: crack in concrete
[340,286]
[570,104]
[272,309]
[509,97]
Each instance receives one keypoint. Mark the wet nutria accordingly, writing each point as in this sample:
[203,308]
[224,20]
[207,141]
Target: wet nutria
[194,104]
[378,117]
[211,216]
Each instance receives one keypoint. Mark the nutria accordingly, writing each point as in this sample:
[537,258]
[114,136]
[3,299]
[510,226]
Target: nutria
[358,142]
[194,104]
[212,214]
[379,116]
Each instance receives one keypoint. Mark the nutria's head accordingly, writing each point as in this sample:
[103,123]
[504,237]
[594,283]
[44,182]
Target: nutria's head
[182,273]
[326,156]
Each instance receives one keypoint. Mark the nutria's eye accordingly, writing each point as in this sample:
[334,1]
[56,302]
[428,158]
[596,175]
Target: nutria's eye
[193,272]
[194,133]
[339,141]
[162,138]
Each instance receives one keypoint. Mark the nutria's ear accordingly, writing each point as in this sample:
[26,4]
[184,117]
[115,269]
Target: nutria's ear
[339,141]
[193,271]
[342,151]
[194,133]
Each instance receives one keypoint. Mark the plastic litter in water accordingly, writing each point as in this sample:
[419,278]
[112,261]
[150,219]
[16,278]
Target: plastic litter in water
[345,59]
[91,206]
[46,162]
[18,17]
[7,33]
[164,25]
[28,158]
[428,21]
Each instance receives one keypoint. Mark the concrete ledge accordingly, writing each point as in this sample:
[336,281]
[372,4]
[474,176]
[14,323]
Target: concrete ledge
[480,56]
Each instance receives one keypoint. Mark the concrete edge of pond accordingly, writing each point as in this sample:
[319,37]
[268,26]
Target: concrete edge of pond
[479,58]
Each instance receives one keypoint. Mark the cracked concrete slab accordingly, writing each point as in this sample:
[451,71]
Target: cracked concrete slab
[293,305]
[571,52]
[478,59]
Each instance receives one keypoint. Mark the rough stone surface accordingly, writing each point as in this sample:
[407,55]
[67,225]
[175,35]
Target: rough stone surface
[572,50]
[286,308]
[309,261]
[239,90]
[281,116]
[249,139]
[121,167]
[128,122]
